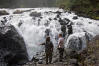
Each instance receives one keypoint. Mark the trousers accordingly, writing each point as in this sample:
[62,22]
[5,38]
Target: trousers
[48,57]
[61,51]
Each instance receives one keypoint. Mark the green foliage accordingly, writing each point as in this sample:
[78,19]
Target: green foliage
[88,7]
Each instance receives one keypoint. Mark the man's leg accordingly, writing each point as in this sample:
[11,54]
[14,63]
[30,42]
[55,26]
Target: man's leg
[50,58]
[46,58]
[61,54]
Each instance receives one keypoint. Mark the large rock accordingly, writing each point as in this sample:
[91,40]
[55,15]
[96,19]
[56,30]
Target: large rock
[75,17]
[17,12]
[35,14]
[76,41]
[12,46]
[3,12]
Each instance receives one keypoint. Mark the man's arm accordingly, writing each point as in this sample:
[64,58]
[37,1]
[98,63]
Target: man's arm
[42,44]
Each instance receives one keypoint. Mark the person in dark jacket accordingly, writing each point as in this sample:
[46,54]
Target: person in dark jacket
[48,50]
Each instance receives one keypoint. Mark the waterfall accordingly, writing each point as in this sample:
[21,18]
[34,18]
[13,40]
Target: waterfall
[32,23]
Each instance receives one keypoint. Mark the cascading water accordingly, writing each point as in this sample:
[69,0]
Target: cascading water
[32,24]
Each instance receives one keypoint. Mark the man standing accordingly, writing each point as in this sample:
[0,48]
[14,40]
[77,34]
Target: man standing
[61,47]
[48,50]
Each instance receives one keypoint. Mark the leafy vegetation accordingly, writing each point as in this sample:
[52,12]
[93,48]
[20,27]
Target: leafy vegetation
[26,3]
[88,8]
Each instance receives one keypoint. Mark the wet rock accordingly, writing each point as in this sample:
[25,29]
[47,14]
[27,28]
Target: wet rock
[47,32]
[58,16]
[70,29]
[40,62]
[13,45]
[34,59]
[50,19]
[50,11]
[35,14]
[88,36]
[63,29]
[77,41]
[62,22]
[3,12]
[46,12]
[41,17]
[58,12]
[75,17]
[20,24]
[17,12]
[79,23]
[4,20]
[73,44]
[67,20]
[69,12]
[90,22]
[46,24]
[55,18]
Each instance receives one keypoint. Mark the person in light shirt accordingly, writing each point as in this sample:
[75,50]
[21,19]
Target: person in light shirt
[61,47]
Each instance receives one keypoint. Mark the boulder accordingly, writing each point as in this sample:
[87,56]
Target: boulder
[58,12]
[67,20]
[12,46]
[40,62]
[90,22]
[3,12]
[62,22]
[75,17]
[35,14]
[76,41]
[17,12]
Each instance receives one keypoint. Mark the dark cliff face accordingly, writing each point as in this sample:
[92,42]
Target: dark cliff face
[26,3]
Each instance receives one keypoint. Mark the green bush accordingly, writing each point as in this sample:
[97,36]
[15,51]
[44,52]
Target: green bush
[88,7]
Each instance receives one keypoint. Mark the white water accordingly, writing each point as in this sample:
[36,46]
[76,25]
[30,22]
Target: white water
[33,30]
